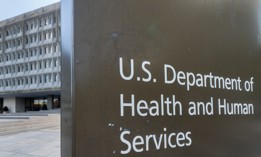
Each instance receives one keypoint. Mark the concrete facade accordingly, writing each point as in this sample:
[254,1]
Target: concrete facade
[14,104]
[30,57]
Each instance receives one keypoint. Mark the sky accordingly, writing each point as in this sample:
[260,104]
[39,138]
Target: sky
[11,8]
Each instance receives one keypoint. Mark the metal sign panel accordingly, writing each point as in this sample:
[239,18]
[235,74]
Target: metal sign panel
[161,78]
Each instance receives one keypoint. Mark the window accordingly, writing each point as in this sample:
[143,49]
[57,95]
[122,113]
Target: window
[55,77]
[50,64]
[54,33]
[40,79]
[34,66]
[49,19]
[7,70]
[45,79]
[46,35]
[50,35]
[6,83]
[51,49]
[13,43]
[12,69]
[40,23]
[27,40]
[6,58]
[54,62]
[40,51]
[18,29]
[35,38]
[31,53]
[44,52]
[45,64]
[33,80]
[26,81]
[6,45]
[31,66]
[54,19]
[35,52]
[54,48]
[35,24]
[19,42]
[46,49]
[26,67]
[50,78]
[31,39]
[26,27]
[18,68]
[26,54]
[14,30]
[7,33]
[40,37]
[13,56]
[18,55]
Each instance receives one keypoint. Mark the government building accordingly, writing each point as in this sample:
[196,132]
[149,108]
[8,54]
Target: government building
[30,56]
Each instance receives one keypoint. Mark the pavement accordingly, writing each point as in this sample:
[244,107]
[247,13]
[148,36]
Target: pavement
[40,143]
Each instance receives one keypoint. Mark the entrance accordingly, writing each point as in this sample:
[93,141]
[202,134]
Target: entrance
[42,103]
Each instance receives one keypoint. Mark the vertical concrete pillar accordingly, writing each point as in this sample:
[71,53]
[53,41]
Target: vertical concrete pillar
[10,104]
[19,105]
[49,102]
[1,102]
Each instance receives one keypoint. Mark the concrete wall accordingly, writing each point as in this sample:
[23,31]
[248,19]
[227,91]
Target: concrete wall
[10,103]
[20,105]
[14,104]
[50,102]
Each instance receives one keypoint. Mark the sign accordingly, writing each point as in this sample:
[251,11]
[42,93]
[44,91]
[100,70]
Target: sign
[161,78]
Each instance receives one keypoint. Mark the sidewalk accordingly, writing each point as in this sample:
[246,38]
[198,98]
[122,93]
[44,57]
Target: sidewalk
[40,143]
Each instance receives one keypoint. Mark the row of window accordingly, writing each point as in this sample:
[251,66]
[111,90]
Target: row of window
[33,38]
[40,36]
[30,25]
[12,43]
[30,66]
[32,52]
[39,79]
[12,30]
[40,22]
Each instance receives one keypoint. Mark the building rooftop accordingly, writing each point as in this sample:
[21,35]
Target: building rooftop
[30,14]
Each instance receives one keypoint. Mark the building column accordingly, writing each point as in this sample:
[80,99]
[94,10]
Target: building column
[1,104]
[10,104]
[14,104]
[50,102]
[20,105]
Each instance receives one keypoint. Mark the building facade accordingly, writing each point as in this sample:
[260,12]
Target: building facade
[30,56]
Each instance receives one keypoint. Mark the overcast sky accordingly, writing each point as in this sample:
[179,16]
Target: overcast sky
[11,8]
